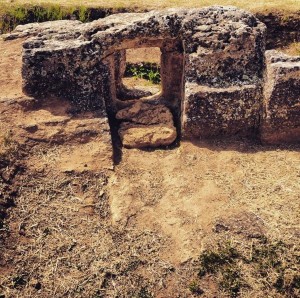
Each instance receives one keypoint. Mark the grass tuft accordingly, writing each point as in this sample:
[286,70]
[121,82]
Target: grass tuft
[211,261]
[19,15]
[144,70]
[195,288]
[271,266]
[8,146]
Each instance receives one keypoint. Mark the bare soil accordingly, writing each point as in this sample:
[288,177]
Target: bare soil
[10,65]
[139,55]
[79,227]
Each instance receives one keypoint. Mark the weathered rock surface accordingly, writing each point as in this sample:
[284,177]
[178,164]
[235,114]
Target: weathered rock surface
[215,112]
[146,125]
[65,29]
[147,114]
[212,69]
[281,120]
[141,136]
[216,47]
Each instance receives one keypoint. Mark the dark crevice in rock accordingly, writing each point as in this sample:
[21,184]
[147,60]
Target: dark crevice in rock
[115,138]
[282,29]
[146,125]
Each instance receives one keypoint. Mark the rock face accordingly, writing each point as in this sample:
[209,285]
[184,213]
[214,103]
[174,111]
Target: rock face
[213,112]
[140,136]
[281,121]
[212,67]
[146,125]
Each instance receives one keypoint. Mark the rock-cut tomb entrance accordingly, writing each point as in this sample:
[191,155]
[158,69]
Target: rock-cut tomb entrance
[217,79]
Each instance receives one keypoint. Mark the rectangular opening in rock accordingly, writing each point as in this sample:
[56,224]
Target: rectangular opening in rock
[142,76]
[149,84]
[145,90]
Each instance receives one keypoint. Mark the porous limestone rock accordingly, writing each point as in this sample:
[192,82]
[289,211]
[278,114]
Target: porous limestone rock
[216,49]
[281,119]
[215,79]
[214,112]
[146,125]
[141,136]
[146,114]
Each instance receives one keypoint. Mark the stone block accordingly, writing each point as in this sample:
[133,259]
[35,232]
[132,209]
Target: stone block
[281,107]
[215,112]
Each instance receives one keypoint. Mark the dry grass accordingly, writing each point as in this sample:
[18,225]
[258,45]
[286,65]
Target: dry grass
[8,146]
[250,266]
[196,185]
[62,242]
[293,49]
[63,245]
[255,6]
[3,143]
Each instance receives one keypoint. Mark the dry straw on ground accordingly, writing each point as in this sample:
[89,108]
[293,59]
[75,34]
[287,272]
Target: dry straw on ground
[275,5]
[60,240]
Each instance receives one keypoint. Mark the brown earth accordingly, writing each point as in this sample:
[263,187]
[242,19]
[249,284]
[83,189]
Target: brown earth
[10,65]
[81,229]
[146,125]
[139,55]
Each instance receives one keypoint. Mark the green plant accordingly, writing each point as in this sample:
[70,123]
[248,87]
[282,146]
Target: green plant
[274,265]
[138,72]
[231,281]
[268,256]
[147,71]
[223,260]
[83,14]
[19,14]
[23,14]
[154,76]
[195,288]
[144,293]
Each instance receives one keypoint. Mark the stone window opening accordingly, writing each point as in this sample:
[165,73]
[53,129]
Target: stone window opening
[150,118]
[141,78]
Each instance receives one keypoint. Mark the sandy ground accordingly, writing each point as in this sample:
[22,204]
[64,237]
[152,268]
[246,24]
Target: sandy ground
[181,192]
[151,55]
[10,65]
[82,229]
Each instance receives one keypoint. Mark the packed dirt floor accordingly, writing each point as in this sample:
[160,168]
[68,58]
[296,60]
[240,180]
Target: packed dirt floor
[73,224]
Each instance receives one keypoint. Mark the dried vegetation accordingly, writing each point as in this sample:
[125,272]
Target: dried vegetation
[57,238]
[292,49]
[17,12]
[61,243]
